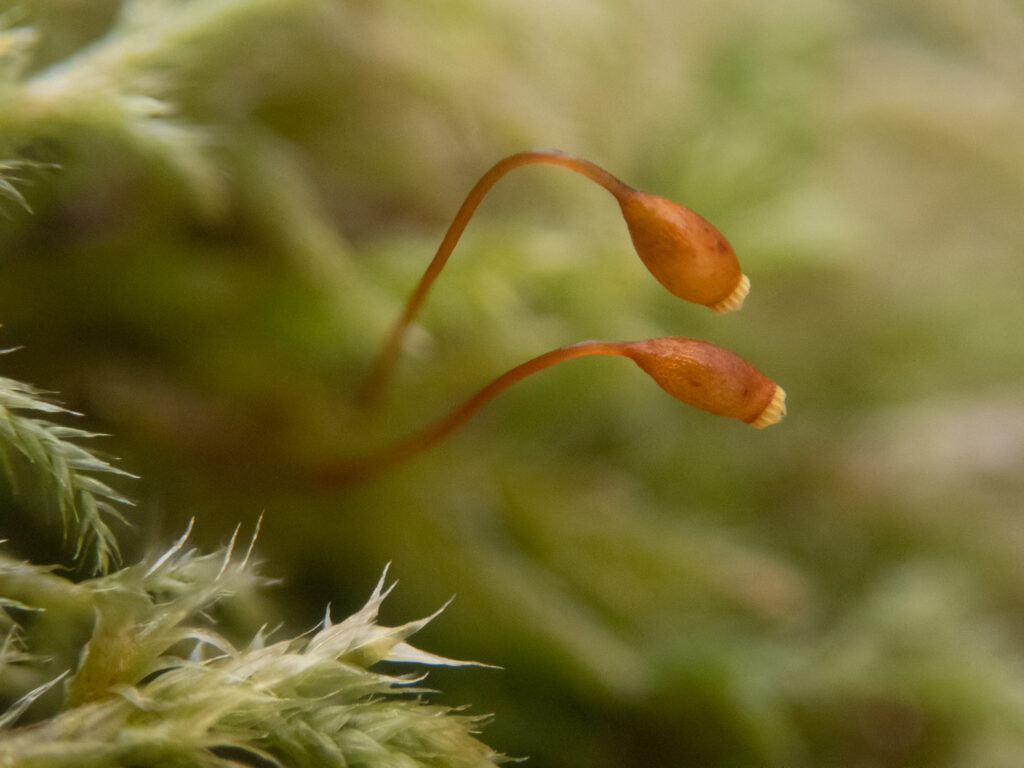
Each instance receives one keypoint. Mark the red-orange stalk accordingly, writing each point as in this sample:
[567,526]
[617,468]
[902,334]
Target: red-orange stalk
[696,372]
[379,376]
[357,468]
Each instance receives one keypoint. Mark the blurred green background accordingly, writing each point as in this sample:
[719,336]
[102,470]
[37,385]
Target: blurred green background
[230,199]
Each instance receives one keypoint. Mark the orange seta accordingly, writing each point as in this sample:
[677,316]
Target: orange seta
[696,372]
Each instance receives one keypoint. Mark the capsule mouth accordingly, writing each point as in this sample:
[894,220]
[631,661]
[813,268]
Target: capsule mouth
[774,412]
[735,299]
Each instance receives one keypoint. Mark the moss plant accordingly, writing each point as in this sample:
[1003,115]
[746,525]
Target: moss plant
[140,664]
[43,462]
[247,189]
[130,667]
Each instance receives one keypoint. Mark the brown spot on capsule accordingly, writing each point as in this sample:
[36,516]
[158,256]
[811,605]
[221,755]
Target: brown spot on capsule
[683,250]
[709,377]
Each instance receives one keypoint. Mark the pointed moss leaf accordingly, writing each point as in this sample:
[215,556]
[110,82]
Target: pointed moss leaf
[63,471]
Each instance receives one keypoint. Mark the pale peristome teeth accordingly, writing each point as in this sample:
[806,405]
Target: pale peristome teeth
[735,299]
[774,412]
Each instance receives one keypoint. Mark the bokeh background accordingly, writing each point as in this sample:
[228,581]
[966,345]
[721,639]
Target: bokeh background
[229,201]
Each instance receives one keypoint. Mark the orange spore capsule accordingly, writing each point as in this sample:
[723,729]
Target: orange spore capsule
[684,251]
[711,378]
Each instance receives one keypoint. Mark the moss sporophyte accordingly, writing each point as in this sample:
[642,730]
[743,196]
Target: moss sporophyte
[680,248]
[686,254]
